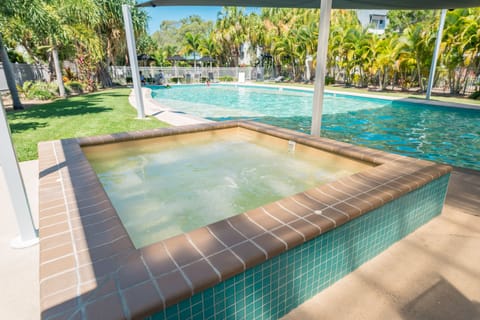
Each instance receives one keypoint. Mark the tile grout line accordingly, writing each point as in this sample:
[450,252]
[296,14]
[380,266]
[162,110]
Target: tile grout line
[228,248]
[284,224]
[219,275]
[299,217]
[96,222]
[154,282]
[187,280]
[333,205]
[266,231]
[318,214]
[67,207]
[248,239]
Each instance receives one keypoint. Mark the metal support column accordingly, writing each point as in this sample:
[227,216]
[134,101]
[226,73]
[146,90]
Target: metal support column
[132,55]
[431,76]
[8,160]
[322,49]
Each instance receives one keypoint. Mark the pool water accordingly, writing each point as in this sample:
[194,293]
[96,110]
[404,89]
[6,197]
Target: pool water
[447,135]
[167,186]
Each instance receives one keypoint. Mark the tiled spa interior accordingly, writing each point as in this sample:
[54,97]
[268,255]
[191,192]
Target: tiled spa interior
[259,264]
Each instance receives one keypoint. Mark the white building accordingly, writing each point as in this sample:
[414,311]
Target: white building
[245,58]
[375,20]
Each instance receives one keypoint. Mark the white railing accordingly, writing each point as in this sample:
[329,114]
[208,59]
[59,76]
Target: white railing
[123,74]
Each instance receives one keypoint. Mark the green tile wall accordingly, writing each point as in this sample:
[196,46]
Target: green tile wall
[273,288]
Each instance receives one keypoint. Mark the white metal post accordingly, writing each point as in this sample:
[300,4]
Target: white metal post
[431,76]
[8,160]
[132,54]
[322,49]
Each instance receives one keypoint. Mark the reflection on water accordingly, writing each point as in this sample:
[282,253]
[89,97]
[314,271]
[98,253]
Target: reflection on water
[431,133]
[445,135]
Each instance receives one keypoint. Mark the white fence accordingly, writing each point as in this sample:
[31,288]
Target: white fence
[24,72]
[123,74]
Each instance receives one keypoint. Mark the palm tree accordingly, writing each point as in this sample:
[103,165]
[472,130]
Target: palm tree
[86,30]
[461,46]
[284,50]
[471,42]
[386,60]
[7,68]
[306,38]
[232,31]
[192,45]
[417,41]
[344,41]
[208,47]
[16,14]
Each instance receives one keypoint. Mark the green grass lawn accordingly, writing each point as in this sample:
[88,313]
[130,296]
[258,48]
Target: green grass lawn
[87,115]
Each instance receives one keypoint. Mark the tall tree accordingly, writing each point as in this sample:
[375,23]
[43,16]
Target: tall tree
[15,13]
[231,23]
[9,76]
[399,20]
[417,43]
[461,47]
[209,47]
[192,44]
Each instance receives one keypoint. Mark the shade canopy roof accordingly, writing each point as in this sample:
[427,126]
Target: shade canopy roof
[176,58]
[144,57]
[206,59]
[336,4]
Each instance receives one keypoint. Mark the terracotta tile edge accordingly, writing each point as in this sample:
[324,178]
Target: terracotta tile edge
[375,180]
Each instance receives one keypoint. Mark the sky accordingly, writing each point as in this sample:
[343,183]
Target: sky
[158,14]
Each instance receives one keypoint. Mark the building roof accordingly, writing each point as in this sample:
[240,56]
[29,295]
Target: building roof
[336,4]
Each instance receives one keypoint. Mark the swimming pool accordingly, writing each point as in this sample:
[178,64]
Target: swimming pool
[446,135]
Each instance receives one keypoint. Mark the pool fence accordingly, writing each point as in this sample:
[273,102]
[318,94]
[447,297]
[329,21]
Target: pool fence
[25,72]
[155,75]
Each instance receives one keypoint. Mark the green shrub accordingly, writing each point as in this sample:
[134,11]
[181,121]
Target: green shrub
[176,80]
[475,95]
[329,80]
[226,79]
[14,56]
[40,94]
[74,87]
[39,90]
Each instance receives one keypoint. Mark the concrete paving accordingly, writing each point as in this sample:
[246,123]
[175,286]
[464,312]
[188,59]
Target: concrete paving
[155,109]
[19,289]
[434,273]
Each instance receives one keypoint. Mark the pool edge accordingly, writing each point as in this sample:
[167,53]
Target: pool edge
[83,267]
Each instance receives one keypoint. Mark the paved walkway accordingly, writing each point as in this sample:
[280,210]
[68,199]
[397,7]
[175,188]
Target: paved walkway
[165,114]
[19,290]
[434,273]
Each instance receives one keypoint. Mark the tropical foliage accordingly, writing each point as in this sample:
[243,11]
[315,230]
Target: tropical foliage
[87,32]
[91,34]
[400,57]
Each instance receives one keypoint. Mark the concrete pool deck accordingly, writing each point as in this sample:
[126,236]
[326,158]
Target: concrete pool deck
[165,114]
[431,274]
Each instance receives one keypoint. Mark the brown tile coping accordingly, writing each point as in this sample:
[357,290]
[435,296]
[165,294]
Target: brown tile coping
[89,267]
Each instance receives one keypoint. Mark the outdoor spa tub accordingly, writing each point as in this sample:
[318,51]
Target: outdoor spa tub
[229,220]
